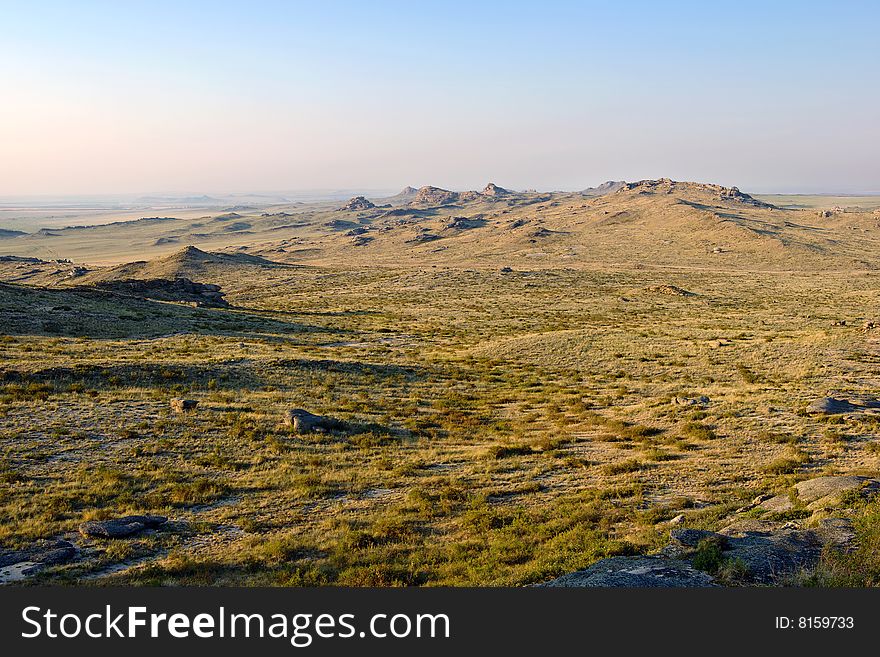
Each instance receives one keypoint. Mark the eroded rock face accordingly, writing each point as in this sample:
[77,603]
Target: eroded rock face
[120,527]
[639,572]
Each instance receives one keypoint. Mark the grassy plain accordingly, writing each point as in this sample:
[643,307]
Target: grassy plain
[505,427]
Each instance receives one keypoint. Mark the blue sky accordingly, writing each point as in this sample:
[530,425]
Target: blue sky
[108,97]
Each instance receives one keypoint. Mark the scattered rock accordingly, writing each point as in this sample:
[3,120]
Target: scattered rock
[506,270]
[423,237]
[120,527]
[636,572]
[869,325]
[702,400]
[671,290]
[465,223]
[183,405]
[304,422]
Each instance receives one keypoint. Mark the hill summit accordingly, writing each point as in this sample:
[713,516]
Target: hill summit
[689,189]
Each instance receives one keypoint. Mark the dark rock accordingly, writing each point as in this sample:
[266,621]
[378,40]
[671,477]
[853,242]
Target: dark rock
[690,537]
[773,556]
[44,551]
[183,405]
[163,289]
[305,422]
[423,237]
[465,223]
[637,572]
[120,527]
[702,400]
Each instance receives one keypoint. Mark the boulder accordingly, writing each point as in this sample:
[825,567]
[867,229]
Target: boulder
[120,527]
[831,406]
[304,422]
[183,405]
[826,492]
[636,572]
[44,551]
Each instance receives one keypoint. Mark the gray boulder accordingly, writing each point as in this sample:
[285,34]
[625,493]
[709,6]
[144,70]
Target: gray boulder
[304,422]
[831,406]
[44,551]
[825,492]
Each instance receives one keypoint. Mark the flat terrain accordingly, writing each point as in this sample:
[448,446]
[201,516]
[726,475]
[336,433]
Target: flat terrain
[528,383]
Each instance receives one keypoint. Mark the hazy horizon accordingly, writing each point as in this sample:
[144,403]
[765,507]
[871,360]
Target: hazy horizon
[110,100]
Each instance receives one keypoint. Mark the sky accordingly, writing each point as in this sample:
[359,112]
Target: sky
[259,96]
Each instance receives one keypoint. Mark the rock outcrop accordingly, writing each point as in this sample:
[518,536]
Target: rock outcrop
[752,552]
[163,289]
[837,406]
[429,195]
[605,188]
[120,527]
[43,551]
[358,203]
[494,190]
[668,186]
[636,572]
